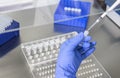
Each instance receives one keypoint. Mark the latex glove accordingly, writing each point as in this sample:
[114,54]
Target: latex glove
[71,55]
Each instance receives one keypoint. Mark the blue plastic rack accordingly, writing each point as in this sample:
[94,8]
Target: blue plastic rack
[65,13]
[4,37]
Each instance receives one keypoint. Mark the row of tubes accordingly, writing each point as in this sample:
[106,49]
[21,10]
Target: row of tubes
[76,10]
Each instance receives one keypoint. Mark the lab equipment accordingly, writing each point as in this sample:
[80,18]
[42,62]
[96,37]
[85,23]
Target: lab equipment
[71,55]
[102,16]
[41,57]
[7,23]
[71,15]
[115,14]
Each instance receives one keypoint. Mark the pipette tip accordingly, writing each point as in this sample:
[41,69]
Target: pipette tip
[86,33]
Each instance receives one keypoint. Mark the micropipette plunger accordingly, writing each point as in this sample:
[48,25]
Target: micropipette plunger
[102,16]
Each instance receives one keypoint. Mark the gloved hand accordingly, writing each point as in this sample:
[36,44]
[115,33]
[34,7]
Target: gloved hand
[71,55]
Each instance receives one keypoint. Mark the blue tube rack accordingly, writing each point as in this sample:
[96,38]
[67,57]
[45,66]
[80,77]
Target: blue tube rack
[4,37]
[63,21]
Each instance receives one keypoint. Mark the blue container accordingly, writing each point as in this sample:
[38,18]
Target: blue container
[66,21]
[7,36]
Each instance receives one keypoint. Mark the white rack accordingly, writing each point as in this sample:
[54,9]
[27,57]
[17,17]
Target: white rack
[41,57]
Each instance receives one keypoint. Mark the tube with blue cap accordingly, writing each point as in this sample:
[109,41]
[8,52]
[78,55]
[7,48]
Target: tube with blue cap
[102,16]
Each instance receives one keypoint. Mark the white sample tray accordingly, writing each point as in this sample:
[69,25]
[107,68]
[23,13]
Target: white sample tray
[41,57]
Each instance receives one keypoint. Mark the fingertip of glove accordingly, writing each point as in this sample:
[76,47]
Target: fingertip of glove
[92,49]
[88,38]
[81,35]
[78,37]
[94,43]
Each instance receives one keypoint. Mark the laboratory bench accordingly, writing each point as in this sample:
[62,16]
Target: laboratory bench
[35,26]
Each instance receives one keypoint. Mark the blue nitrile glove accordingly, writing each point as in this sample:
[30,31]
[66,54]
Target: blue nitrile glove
[71,55]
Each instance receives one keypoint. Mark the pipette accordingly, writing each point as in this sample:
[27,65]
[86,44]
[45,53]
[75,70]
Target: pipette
[102,16]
